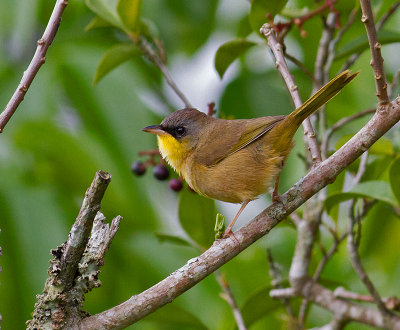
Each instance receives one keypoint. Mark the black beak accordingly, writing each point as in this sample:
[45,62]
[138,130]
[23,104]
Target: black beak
[154,129]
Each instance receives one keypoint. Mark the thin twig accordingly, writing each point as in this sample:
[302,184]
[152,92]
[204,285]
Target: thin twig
[282,29]
[284,293]
[391,303]
[299,64]
[323,51]
[375,47]
[361,168]
[276,275]
[152,152]
[320,268]
[37,61]
[328,256]
[228,296]
[379,25]
[393,85]
[356,262]
[276,48]
[320,63]
[336,40]
[296,219]
[148,51]
[340,123]
[387,15]
[350,61]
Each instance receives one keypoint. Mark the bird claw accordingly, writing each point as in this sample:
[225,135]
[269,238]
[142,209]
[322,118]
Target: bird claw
[276,198]
[229,233]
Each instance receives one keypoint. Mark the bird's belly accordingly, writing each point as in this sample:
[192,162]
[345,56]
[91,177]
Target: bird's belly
[241,176]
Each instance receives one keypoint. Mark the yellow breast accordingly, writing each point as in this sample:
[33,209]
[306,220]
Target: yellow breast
[173,151]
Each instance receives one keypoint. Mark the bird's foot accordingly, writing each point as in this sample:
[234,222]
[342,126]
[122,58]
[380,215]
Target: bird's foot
[229,233]
[276,197]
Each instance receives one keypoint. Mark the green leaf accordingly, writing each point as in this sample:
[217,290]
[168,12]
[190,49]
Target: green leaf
[149,28]
[113,57]
[97,22]
[103,9]
[129,12]
[172,316]
[243,28]
[294,12]
[360,43]
[260,9]
[394,177]
[378,169]
[379,190]
[197,216]
[172,239]
[229,52]
[381,147]
[258,305]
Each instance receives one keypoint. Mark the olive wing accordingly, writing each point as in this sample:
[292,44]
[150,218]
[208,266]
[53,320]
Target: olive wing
[229,136]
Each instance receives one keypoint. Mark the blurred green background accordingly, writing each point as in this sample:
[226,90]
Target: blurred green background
[66,129]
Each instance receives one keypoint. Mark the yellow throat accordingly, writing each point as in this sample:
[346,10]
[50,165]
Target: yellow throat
[173,151]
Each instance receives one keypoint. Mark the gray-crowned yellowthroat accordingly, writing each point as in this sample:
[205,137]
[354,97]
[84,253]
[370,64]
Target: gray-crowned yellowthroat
[235,160]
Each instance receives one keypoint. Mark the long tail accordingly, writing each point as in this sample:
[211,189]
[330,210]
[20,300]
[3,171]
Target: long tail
[321,97]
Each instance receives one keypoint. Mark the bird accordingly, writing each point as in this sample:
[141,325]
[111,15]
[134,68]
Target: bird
[235,160]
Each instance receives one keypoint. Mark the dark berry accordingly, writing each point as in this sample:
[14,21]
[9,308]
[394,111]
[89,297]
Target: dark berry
[138,168]
[161,172]
[175,184]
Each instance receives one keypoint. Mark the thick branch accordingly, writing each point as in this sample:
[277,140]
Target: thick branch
[223,250]
[377,60]
[79,234]
[276,48]
[38,59]
[60,305]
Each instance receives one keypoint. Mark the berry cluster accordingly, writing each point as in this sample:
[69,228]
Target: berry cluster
[160,171]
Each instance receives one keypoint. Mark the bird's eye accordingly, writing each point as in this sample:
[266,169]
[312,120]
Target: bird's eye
[180,131]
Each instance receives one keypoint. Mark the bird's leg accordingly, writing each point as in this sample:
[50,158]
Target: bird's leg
[275,195]
[228,230]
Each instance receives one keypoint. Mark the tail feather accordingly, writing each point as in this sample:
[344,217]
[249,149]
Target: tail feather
[321,97]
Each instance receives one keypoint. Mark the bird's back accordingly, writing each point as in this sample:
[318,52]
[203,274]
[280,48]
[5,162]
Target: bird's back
[243,168]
